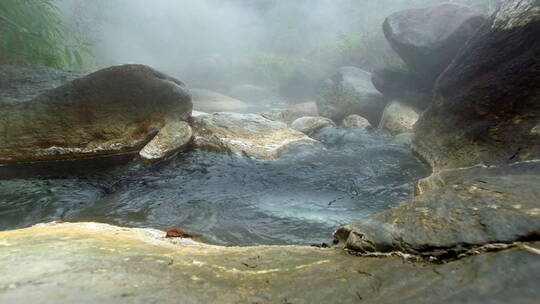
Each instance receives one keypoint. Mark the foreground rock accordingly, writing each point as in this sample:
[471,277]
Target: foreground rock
[118,109]
[311,124]
[172,138]
[455,211]
[398,118]
[250,134]
[350,91]
[429,38]
[487,107]
[209,101]
[107,264]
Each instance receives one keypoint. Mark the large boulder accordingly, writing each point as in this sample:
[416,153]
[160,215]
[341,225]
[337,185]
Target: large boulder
[429,38]
[487,103]
[118,109]
[350,91]
[210,101]
[403,85]
[249,134]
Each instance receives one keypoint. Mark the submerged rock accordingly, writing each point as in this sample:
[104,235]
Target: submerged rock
[107,264]
[251,134]
[209,101]
[398,118]
[429,38]
[356,122]
[114,110]
[350,91]
[487,108]
[311,124]
[173,137]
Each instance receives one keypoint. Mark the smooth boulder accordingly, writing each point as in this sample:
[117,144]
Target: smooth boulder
[210,101]
[249,134]
[350,91]
[487,103]
[114,110]
[398,118]
[429,38]
[311,124]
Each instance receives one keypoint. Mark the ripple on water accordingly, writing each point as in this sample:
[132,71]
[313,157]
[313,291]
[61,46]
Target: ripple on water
[299,198]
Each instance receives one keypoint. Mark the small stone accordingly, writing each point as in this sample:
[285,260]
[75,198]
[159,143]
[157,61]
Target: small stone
[177,233]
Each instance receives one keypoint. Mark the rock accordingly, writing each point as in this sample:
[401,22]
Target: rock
[398,118]
[19,83]
[356,122]
[350,91]
[405,86]
[403,139]
[172,138]
[251,94]
[99,263]
[486,108]
[455,211]
[114,110]
[311,124]
[293,113]
[209,101]
[250,134]
[429,38]
[177,233]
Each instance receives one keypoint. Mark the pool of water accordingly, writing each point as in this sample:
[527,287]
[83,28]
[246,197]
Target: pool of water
[228,199]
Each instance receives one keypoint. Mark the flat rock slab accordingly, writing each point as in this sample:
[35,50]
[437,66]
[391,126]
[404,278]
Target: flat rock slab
[457,210]
[251,134]
[97,263]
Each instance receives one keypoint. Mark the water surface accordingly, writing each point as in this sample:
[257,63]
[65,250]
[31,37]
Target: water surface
[300,198]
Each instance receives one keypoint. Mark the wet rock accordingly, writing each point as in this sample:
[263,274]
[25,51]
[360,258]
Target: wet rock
[486,107]
[454,211]
[114,110]
[311,124]
[173,137]
[251,134]
[350,91]
[405,86]
[107,264]
[429,38]
[356,122]
[209,101]
[398,118]
[251,94]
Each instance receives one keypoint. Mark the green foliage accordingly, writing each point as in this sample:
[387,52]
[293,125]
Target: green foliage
[32,32]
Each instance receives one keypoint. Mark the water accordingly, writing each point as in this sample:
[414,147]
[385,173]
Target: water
[300,198]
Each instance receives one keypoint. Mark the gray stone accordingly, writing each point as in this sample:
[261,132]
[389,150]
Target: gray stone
[356,122]
[350,91]
[311,124]
[249,134]
[398,118]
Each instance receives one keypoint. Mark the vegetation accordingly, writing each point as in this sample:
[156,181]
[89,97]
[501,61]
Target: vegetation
[32,33]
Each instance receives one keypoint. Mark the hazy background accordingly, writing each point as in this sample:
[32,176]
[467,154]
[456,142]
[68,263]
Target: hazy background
[219,43]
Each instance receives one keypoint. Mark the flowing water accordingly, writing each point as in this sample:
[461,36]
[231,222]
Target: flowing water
[300,198]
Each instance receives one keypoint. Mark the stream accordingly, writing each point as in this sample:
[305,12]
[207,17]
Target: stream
[222,198]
